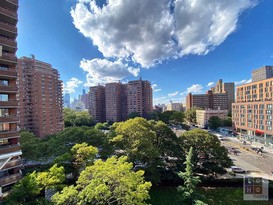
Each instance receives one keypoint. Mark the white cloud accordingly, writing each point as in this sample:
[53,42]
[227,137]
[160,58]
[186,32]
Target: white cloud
[69,86]
[150,31]
[160,100]
[195,88]
[173,94]
[210,84]
[101,71]
[243,81]
[155,89]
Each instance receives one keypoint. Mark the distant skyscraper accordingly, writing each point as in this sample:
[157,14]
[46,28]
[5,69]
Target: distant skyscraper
[40,95]
[66,100]
[10,150]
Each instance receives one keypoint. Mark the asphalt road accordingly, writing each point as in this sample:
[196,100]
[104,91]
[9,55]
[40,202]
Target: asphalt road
[248,159]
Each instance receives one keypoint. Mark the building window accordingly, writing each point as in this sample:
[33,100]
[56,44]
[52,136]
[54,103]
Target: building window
[4,97]
[4,127]
[4,82]
[4,112]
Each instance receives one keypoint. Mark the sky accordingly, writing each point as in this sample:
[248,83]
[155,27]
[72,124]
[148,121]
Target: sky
[180,46]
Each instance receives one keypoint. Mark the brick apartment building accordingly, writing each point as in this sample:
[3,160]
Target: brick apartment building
[209,100]
[10,150]
[97,103]
[252,112]
[40,95]
[116,101]
[228,88]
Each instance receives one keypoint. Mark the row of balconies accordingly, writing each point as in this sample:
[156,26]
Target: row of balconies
[8,73]
[8,89]
[9,13]
[10,148]
[10,179]
[12,164]
[9,28]
[10,118]
[8,57]
[9,103]
[9,134]
[8,42]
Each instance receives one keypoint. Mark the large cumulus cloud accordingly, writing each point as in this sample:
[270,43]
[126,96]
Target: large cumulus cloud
[150,31]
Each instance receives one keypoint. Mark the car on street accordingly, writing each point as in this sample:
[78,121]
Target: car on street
[236,169]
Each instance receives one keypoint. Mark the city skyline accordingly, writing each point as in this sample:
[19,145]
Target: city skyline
[187,66]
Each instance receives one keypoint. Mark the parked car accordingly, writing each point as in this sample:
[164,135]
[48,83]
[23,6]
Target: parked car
[236,169]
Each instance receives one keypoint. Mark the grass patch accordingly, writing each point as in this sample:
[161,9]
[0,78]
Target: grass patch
[213,196]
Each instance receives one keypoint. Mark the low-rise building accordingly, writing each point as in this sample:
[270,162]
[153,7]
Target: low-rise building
[175,107]
[203,116]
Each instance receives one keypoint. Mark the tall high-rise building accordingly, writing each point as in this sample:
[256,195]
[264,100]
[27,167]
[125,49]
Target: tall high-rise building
[262,73]
[40,95]
[66,100]
[139,97]
[116,101]
[97,103]
[228,88]
[10,150]
[252,114]
[113,99]
[209,100]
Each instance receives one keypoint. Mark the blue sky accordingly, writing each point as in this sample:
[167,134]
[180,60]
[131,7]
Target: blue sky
[177,45]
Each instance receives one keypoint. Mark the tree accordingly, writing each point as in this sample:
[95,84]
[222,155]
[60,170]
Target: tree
[165,116]
[77,118]
[133,115]
[177,118]
[209,157]
[26,190]
[188,190]
[190,115]
[227,122]
[109,182]
[80,156]
[214,122]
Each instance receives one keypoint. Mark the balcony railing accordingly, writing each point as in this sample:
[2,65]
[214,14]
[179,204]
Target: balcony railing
[8,27]
[10,179]
[10,103]
[10,118]
[9,148]
[8,88]
[8,12]
[9,134]
[8,73]
[8,42]
[9,57]
[13,163]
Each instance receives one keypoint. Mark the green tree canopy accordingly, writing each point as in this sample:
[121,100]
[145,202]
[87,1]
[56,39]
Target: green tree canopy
[133,115]
[190,115]
[109,182]
[214,122]
[209,156]
[77,118]
[165,116]
[177,118]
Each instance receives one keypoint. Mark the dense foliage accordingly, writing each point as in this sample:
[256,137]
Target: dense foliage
[77,118]
[109,182]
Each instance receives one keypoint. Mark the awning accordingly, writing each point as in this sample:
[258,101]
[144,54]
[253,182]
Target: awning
[259,132]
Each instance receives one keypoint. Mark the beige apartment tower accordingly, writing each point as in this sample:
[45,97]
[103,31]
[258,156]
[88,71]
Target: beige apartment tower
[40,95]
[10,150]
[222,88]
